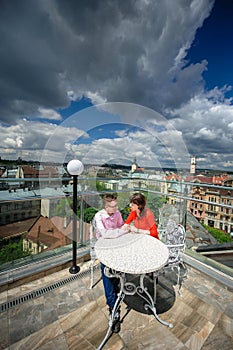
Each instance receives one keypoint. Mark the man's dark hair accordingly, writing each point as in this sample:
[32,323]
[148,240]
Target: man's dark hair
[109,198]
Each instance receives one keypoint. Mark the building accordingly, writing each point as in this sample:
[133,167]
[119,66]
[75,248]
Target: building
[193,165]
[210,213]
[18,210]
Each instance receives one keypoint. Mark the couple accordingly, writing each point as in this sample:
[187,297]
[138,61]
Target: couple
[109,224]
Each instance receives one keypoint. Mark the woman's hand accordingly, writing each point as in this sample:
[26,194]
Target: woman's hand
[138,230]
[134,229]
[126,227]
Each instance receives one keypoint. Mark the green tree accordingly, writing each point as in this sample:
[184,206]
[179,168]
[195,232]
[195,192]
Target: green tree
[64,208]
[100,187]
[88,214]
[12,250]
[125,212]
[221,236]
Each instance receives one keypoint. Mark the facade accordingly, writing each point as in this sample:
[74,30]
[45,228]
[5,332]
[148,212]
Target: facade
[46,235]
[209,213]
[18,210]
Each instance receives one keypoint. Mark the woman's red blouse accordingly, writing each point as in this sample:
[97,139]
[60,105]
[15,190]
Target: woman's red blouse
[144,222]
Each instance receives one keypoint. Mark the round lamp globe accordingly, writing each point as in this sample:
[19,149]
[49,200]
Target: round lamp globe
[75,167]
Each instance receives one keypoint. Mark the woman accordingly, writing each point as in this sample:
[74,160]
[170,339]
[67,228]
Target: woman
[142,217]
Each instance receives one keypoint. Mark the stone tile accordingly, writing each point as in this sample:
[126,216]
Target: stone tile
[226,323]
[229,309]
[4,338]
[75,317]
[195,321]
[182,332]
[198,338]
[218,339]
[71,319]
[58,343]
[193,301]
[153,337]
[3,297]
[39,338]
[29,318]
[75,342]
[210,312]
[86,328]
[178,312]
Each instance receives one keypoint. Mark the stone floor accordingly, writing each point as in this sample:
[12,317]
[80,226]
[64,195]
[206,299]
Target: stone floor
[73,317]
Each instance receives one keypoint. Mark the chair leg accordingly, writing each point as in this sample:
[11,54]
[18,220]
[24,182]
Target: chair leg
[178,280]
[92,274]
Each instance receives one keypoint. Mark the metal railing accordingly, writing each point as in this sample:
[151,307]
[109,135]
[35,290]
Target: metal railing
[89,197]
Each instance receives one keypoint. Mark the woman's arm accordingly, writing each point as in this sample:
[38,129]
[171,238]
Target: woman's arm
[152,224]
[132,216]
[154,231]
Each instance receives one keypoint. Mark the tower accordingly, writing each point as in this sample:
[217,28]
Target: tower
[193,165]
[134,166]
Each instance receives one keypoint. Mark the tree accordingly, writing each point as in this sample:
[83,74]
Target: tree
[221,236]
[88,214]
[64,208]
[12,250]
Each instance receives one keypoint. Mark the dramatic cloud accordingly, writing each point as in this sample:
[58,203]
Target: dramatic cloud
[207,129]
[120,51]
[54,52]
[28,139]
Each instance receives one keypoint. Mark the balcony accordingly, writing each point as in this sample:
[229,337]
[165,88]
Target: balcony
[43,306]
[61,312]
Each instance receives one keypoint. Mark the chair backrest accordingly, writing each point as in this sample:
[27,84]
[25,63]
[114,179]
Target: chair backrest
[174,239]
[175,233]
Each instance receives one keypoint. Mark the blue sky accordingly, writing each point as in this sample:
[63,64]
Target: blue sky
[213,43]
[76,74]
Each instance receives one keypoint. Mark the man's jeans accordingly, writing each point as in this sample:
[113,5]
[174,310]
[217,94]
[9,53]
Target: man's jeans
[110,288]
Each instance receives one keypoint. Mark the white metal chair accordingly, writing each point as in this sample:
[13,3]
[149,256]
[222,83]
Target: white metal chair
[174,238]
[93,240]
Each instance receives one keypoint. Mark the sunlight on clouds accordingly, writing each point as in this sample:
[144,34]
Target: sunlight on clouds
[135,52]
[151,143]
[48,114]
[17,143]
[206,124]
[205,133]
[95,97]
[230,125]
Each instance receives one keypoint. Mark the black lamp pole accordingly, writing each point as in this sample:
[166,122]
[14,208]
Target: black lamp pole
[75,168]
[74,268]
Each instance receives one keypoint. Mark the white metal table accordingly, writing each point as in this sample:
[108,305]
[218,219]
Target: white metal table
[137,254]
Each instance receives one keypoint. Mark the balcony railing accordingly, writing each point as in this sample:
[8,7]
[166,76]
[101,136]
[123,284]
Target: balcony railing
[48,204]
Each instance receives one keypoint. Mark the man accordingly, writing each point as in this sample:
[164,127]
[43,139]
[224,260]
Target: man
[108,223]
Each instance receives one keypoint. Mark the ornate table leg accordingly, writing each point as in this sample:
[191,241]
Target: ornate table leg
[150,302]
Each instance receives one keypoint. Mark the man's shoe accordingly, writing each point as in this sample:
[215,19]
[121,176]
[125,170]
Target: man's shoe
[116,327]
[116,324]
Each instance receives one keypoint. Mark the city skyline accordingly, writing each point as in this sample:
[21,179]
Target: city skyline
[167,63]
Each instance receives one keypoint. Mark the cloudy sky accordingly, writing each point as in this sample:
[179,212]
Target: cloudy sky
[163,68]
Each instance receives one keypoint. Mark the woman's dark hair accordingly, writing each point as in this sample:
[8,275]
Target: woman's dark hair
[139,199]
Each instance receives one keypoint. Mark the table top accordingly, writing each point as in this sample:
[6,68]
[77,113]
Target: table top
[132,253]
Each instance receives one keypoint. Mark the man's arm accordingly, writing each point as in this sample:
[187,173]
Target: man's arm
[101,231]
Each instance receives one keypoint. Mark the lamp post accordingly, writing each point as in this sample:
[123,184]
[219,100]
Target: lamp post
[74,168]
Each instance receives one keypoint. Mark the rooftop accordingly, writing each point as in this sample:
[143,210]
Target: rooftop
[59,311]
[43,306]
